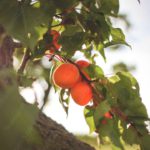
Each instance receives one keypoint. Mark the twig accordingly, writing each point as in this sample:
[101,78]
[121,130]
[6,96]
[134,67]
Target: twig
[56,25]
[59,15]
[124,117]
[25,59]
[17,45]
[46,97]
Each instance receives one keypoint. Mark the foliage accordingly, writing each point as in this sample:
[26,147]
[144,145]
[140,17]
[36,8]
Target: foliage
[123,67]
[16,119]
[84,26]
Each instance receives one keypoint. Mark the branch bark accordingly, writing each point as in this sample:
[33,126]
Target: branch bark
[25,59]
[56,137]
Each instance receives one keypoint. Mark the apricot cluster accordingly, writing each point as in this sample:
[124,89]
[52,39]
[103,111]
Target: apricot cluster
[68,75]
[54,45]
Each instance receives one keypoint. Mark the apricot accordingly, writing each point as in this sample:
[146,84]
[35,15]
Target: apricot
[54,45]
[52,50]
[108,115]
[104,121]
[81,93]
[55,34]
[82,65]
[66,75]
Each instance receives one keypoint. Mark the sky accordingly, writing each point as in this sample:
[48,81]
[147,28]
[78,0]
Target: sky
[138,36]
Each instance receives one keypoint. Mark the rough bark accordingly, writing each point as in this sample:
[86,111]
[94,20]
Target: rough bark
[55,136]
[6,49]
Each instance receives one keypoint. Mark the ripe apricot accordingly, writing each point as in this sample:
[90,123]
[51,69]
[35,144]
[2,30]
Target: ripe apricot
[82,65]
[108,115]
[81,93]
[104,121]
[52,50]
[55,34]
[66,75]
[56,45]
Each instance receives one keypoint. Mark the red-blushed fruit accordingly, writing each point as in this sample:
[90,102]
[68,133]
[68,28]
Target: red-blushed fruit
[56,45]
[52,50]
[55,34]
[108,115]
[82,65]
[81,93]
[104,121]
[66,75]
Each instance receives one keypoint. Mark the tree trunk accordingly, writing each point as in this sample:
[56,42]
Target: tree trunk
[54,136]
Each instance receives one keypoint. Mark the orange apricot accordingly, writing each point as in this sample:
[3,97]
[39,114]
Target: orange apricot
[82,65]
[81,93]
[55,34]
[52,50]
[56,45]
[66,75]
[108,115]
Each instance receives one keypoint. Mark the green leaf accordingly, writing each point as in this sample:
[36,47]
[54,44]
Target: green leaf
[71,40]
[94,71]
[88,113]
[63,4]
[109,7]
[111,130]
[88,52]
[25,80]
[117,36]
[64,99]
[114,79]
[23,21]
[100,48]
[52,69]
[128,90]
[145,142]
[101,109]
[130,136]
[17,117]
[95,23]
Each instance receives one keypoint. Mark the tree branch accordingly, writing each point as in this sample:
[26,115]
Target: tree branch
[17,45]
[46,96]
[124,117]
[25,59]
[56,25]
[56,137]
